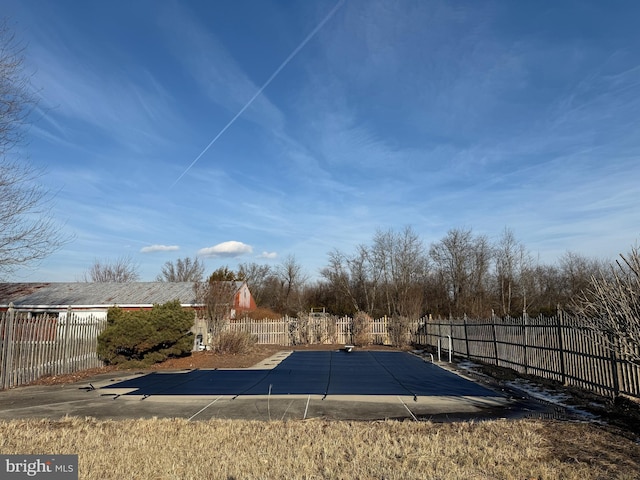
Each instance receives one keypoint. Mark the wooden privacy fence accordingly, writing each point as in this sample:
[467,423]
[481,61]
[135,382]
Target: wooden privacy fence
[561,348]
[32,347]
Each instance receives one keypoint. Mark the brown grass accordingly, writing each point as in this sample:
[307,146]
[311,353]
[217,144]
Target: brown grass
[262,313]
[226,449]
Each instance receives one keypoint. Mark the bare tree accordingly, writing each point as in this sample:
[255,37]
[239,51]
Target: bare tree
[482,256]
[387,278]
[292,280]
[217,294]
[463,260]
[121,270]
[452,258]
[365,279]
[544,286]
[182,270]
[506,259]
[219,303]
[577,271]
[518,281]
[256,276]
[27,233]
[16,99]
[338,275]
[402,262]
[611,305]
[529,280]
[355,280]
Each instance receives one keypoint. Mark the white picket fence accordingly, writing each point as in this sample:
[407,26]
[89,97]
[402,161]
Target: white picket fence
[33,347]
[312,330]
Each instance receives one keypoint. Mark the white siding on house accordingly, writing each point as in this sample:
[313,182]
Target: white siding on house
[85,314]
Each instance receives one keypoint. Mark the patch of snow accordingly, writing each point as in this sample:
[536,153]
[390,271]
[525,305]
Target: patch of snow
[534,390]
[468,365]
[549,395]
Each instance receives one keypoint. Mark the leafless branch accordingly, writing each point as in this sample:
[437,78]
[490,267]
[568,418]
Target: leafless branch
[27,231]
[611,305]
[121,270]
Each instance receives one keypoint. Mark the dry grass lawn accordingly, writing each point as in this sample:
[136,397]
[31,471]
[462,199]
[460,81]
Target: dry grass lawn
[225,449]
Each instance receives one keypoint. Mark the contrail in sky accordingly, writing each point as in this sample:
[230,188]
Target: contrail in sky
[265,85]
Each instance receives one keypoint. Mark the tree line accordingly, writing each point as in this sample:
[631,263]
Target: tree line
[463,273]
[396,274]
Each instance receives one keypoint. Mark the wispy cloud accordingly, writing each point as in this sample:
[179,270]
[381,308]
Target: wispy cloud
[126,105]
[257,93]
[159,248]
[230,249]
[268,255]
[214,69]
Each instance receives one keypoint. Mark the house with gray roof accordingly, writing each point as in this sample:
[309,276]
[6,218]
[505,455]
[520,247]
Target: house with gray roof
[97,298]
[94,298]
[87,299]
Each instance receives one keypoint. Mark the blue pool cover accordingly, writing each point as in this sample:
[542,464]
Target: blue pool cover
[317,373]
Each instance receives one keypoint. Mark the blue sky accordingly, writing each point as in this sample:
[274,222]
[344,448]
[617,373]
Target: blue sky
[331,120]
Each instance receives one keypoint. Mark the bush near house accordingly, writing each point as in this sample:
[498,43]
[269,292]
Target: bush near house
[145,337]
[361,329]
[398,330]
[234,343]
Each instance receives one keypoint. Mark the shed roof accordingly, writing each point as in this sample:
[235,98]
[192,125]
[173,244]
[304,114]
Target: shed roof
[84,294]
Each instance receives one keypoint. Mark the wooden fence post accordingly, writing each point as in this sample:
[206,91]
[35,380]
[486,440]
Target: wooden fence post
[495,337]
[563,373]
[7,368]
[613,345]
[66,348]
[466,336]
[525,340]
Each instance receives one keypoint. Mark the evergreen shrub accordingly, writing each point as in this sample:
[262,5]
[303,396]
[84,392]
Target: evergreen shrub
[145,337]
